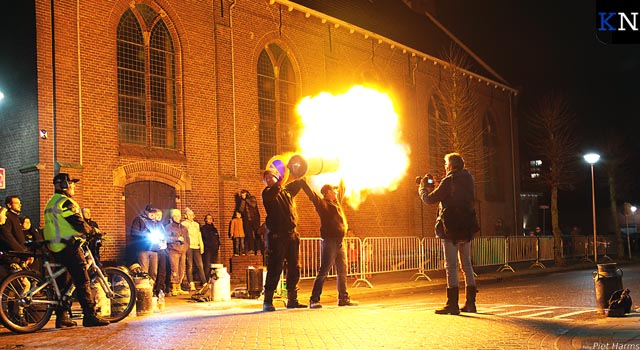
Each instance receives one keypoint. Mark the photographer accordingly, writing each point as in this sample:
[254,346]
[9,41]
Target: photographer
[455,225]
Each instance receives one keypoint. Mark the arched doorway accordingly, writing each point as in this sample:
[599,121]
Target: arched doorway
[139,194]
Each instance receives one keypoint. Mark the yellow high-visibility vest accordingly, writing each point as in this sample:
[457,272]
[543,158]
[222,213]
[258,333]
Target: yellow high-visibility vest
[56,227]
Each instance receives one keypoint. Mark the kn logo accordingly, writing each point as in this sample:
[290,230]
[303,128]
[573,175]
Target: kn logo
[617,22]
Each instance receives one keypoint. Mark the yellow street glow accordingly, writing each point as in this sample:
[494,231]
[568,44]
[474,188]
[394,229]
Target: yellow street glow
[360,129]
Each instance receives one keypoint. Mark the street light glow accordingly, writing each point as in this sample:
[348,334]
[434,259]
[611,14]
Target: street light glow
[633,209]
[1,96]
[592,158]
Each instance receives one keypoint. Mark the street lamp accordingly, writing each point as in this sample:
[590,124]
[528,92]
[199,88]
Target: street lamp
[592,158]
[626,219]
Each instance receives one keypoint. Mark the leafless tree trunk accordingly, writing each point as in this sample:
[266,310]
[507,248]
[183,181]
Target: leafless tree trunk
[615,160]
[551,138]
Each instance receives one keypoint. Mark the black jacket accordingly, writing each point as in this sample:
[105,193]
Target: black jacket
[11,236]
[455,190]
[278,203]
[332,221]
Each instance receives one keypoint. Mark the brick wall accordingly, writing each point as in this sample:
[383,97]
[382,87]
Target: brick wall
[216,54]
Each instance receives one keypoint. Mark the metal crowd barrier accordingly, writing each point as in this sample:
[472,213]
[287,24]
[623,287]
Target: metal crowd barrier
[377,255]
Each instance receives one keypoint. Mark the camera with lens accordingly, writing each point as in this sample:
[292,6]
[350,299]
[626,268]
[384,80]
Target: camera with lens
[429,177]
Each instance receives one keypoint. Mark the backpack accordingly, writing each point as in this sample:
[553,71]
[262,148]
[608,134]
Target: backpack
[620,303]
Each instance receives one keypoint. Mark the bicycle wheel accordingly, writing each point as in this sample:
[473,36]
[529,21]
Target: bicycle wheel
[22,314]
[124,294]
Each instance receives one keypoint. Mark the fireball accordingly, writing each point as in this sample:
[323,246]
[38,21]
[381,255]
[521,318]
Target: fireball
[359,132]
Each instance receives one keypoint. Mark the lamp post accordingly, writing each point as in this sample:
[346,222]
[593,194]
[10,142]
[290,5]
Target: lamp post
[592,158]
[626,220]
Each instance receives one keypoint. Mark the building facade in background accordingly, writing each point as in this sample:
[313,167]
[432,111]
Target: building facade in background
[180,104]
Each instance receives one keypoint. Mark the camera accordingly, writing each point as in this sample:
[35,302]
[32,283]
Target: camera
[429,177]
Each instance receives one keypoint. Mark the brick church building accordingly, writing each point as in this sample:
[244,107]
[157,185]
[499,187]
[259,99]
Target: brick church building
[181,103]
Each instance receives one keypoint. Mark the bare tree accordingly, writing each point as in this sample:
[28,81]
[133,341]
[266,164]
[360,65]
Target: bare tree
[550,137]
[615,160]
[458,127]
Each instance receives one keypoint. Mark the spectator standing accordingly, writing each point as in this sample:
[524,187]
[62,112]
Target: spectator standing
[137,235]
[211,240]
[455,225]
[31,234]
[282,240]
[177,245]
[195,251]
[11,235]
[333,226]
[148,240]
[160,248]
[63,223]
[242,207]
[236,233]
[254,225]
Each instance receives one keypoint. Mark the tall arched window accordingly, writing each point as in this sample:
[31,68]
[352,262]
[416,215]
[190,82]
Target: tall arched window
[277,95]
[439,140]
[492,182]
[147,113]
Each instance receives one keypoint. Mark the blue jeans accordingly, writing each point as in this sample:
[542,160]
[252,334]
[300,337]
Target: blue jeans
[454,252]
[333,253]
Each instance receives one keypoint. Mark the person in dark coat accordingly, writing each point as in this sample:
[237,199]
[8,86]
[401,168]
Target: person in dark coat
[333,226]
[211,239]
[455,225]
[283,241]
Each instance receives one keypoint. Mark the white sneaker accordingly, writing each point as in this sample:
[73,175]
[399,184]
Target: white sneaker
[192,286]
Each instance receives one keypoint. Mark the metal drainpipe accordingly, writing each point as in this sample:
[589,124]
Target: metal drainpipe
[513,167]
[79,81]
[233,92]
[53,87]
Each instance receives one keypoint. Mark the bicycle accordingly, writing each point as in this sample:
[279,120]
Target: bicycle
[27,300]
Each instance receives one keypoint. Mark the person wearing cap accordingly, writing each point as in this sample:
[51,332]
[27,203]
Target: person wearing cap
[282,240]
[333,226]
[63,224]
[177,245]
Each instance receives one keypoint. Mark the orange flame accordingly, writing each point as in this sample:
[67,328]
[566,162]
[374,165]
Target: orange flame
[360,130]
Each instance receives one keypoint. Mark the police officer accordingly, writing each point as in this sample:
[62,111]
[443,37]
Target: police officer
[63,223]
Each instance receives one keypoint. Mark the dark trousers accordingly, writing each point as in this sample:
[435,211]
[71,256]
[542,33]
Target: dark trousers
[161,280]
[258,244]
[209,257]
[194,259]
[283,251]
[72,258]
[334,253]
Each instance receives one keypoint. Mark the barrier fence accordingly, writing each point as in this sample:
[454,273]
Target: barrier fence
[377,255]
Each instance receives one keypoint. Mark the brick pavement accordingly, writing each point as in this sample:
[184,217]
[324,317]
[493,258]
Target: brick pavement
[240,324]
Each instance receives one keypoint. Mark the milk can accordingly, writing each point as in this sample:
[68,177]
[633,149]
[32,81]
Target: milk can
[607,279]
[220,282]
[144,296]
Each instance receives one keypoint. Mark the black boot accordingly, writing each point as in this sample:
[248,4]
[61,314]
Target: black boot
[267,305]
[63,320]
[92,320]
[451,308]
[470,303]
[292,300]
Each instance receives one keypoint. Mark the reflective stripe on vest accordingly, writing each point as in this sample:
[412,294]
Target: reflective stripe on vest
[56,227]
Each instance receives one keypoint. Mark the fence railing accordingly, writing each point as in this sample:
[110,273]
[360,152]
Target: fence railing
[378,255]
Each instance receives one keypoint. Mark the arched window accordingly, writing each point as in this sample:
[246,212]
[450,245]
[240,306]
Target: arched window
[439,140]
[147,113]
[492,182]
[277,95]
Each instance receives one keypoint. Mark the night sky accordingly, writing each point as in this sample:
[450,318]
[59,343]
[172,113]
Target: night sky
[549,45]
[537,46]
